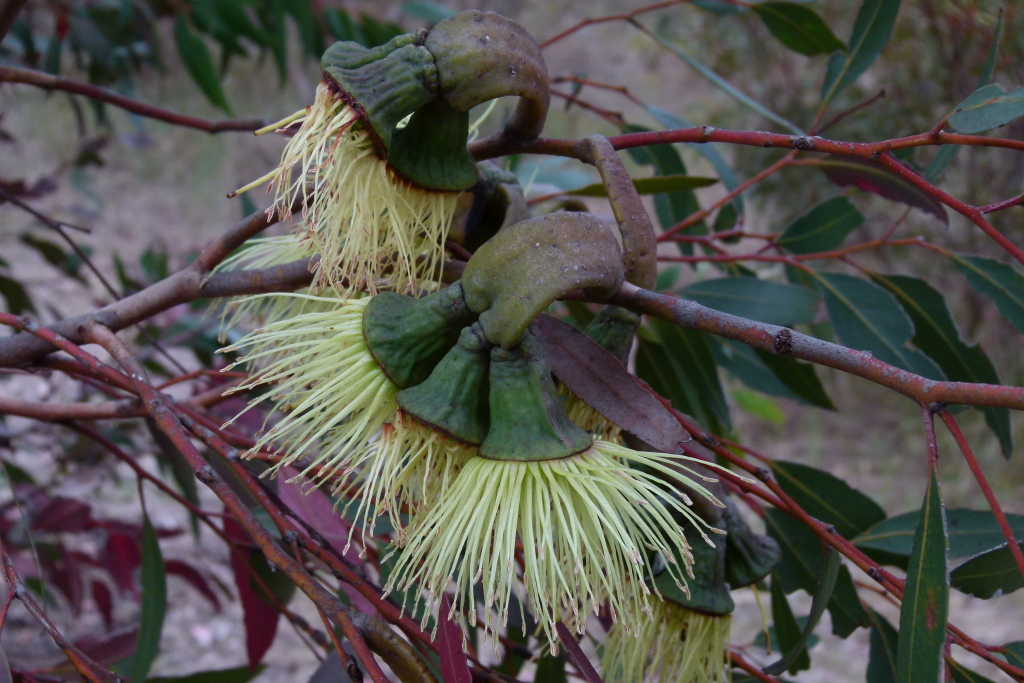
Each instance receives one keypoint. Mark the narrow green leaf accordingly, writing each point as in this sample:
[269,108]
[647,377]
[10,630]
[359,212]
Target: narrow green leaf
[707,150]
[800,566]
[1015,653]
[823,228]
[871,32]
[758,405]
[936,334]
[964,675]
[925,605]
[799,378]
[822,594]
[761,642]
[154,603]
[987,108]
[197,60]
[999,282]
[798,27]
[15,295]
[743,363]
[655,185]
[787,629]
[865,317]
[991,574]
[550,669]
[725,86]
[690,355]
[947,153]
[971,532]
[883,646]
[773,303]
[870,177]
[427,10]
[828,498]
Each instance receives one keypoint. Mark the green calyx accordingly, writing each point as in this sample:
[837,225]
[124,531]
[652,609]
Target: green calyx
[749,556]
[525,267]
[407,337]
[708,590]
[528,419]
[453,400]
[437,77]
[614,328]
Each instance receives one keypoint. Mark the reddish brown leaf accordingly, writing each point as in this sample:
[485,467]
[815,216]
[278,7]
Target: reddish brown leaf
[121,556]
[597,377]
[576,655]
[67,577]
[869,177]
[106,651]
[63,514]
[101,596]
[196,579]
[260,617]
[454,666]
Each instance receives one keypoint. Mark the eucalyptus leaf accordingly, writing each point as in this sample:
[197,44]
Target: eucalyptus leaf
[991,574]
[999,282]
[768,302]
[798,27]
[655,185]
[986,108]
[823,228]
[871,31]
[884,642]
[828,498]
[788,630]
[870,177]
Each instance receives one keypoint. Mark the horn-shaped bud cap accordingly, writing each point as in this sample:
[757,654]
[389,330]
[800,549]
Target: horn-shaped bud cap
[528,420]
[453,400]
[407,337]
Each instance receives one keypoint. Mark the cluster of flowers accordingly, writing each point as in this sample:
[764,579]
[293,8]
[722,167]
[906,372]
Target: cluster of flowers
[388,387]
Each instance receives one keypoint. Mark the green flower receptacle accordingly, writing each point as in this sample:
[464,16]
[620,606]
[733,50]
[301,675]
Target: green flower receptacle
[527,418]
[454,399]
[749,556]
[614,328]
[483,55]
[525,267]
[407,337]
[708,590]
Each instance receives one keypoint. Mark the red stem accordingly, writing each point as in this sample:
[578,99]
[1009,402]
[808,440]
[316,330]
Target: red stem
[993,503]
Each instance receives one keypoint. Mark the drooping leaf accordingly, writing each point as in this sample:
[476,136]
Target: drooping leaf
[688,368]
[925,606]
[787,630]
[550,669]
[823,228]
[707,150]
[828,498]
[883,646]
[596,375]
[427,10]
[822,595]
[1015,653]
[743,363]
[993,573]
[865,317]
[800,378]
[800,566]
[936,334]
[962,674]
[798,27]
[241,674]
[196,57]
[15,295]
[154,603]
[944,157]
[761,642]
[999,282]
[758,405]
[195,578]
[986,108]
[672,207]
[773,303]
[870,177]
[724,85]
[656,185]
[971,532]
[454,665]
[259,615]
[171,458]
[871,32]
